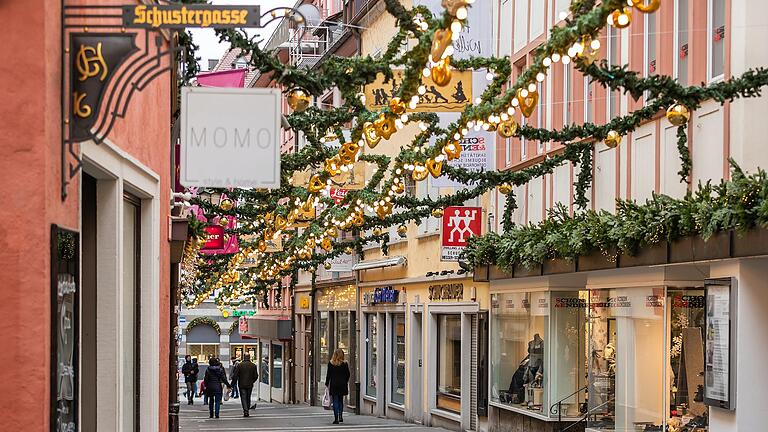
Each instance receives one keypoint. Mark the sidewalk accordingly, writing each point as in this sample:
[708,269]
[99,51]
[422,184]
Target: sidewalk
[284,418]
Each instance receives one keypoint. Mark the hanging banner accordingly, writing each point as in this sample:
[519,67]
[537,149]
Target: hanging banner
[214,237]
[454,97]
[221,242]
[338,194]
[459,224]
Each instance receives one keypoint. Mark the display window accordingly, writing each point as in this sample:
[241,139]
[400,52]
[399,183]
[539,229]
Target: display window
[519,352]
[277,366]
[449,362]
[343,331]
[264,364]
[238,351]
[371,354]
[203,352]
[398,360]
[324,351]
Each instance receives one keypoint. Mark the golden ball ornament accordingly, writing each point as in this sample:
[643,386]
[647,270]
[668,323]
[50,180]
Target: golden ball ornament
[377,231]
[348,250]
[327,266]
[441,72]
[299,99]
[224,221]
[678,115]
[505,188]
[437,213]
[613,139]
[402,231]
[226,204]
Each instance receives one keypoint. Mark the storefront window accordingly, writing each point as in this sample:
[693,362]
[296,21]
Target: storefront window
[277,366]
[568,345]
[238,351]
[264,366]
[342,332]
[686,359]
[449,362]
[519,358]
[203,352]
[398,359]
[626,359]
[370,343]
[324,358]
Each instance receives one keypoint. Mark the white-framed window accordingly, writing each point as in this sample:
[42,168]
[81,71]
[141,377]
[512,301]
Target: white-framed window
[567,94]
[537,19]
[523,143]
[680,63]
[715,39]
[540,116]
[240,63]
[587,100]
[649,48]
[428,224]
[612,57]
[561,7]
[508,152]
[521,24]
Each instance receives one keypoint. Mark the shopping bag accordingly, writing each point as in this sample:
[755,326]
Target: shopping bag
[326,400]
[226,394]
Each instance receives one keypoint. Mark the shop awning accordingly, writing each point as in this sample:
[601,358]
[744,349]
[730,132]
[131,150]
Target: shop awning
[380,263]
[266,328]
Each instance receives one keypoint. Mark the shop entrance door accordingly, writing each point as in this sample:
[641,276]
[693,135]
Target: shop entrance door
[415,369]
[264,372]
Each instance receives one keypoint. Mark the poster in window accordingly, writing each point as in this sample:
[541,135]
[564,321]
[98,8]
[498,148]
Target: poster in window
[719,365]
[65,283]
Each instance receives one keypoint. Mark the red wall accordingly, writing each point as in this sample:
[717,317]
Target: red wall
[30,132]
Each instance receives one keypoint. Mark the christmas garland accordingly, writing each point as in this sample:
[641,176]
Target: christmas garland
[203,320]
[739,204]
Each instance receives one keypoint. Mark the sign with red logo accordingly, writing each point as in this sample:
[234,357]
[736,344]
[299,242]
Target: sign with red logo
[214,237]
[338,194]
[459,224]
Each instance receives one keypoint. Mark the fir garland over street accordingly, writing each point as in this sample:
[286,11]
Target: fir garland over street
[263,215]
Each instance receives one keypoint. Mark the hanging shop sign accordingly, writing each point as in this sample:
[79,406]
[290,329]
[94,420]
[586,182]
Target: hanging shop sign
[453,97]
[383,295]
[719,352]
[243,313]
[214,237]
[230,137]
[459,224]
[338,194]
[182,16]
[451,291]
[304,301]
[218,240]
[343,263]
[65,276]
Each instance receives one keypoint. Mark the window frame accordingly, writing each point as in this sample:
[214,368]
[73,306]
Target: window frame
[710,44]
[438,393]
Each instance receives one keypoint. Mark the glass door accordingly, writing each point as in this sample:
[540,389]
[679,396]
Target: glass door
[264,372]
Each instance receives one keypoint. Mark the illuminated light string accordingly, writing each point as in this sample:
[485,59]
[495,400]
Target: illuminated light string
[373,206]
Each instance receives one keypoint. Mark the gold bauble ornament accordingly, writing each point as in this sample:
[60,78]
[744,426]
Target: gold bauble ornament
[377,231]
[452,150]
[384,126]
[358,220]
[369,135]
[226,204]
[397,106]
[505,188]
[402,231]
[621,18]
[441,72]
[399,187]
[652,6]
[383,210]
[612,139]
[333,165]
[588,54]
[527,102]
[326,244]
[348,250]
[327,266]
[442,40]
[507,128]
[298,99]
[419,172]
[678,115]
[437,213]
[224,221]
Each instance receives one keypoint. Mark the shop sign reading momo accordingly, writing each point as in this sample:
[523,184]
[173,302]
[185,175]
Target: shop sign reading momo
[459,224]
[230,137]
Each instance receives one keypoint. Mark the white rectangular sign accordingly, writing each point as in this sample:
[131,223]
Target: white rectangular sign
[230,137]
[343,263]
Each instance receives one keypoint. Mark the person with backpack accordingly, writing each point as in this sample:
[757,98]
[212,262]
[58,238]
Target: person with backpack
[215,380]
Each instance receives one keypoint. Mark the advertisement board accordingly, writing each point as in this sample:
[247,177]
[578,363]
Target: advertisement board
[459,224]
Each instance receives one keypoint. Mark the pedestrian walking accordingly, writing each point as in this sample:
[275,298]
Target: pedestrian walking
[232,378]
[197,372]
[337,382]
[245,373]
[203,393]
[215,380]
[190,371]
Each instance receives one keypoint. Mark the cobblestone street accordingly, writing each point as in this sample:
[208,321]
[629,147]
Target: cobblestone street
[284,418]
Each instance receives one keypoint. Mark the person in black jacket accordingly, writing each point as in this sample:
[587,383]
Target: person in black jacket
[245,374]
[215,379]
[337,381]
[190,371]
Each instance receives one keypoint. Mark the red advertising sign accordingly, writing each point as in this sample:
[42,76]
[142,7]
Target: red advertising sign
[338,194]
[215,237]
[459,224]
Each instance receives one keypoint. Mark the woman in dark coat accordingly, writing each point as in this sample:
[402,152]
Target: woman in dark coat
[337,381]
[215,380]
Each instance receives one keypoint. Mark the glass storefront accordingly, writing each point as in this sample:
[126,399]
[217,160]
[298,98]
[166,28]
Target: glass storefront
[203,352]
[519,349]
[449,362]
[370,346]
[398,360]
[264,364]
[629,359]
[324,356]
[343,333]
[277,366]
[238,351]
